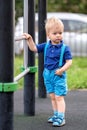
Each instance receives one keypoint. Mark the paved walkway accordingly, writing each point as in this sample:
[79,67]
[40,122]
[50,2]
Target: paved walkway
[76,112]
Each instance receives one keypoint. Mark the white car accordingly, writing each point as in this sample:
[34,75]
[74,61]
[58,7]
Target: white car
[75,32]
[18,46]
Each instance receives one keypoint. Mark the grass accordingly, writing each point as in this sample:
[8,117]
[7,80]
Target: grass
[18,62]
[77,74]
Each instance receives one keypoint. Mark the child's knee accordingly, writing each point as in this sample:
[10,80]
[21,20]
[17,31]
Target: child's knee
[59,98]
[52,96]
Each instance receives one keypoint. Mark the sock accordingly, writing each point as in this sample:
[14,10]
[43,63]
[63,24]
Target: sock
[56,113]
[61,115]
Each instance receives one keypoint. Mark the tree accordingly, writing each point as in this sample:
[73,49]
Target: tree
[18,8]
[75,6]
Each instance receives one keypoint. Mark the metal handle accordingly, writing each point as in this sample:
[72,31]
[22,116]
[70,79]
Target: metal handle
[20,38]
[21,74]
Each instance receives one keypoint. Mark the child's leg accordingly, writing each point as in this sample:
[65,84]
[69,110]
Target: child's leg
[60,121]
[54,107]
[53,101]
[60,103]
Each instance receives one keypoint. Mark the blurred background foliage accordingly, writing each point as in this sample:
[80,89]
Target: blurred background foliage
[77,73]
[19,8]
[75,6]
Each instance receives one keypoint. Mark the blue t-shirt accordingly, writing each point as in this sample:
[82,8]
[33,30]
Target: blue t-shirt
[53,54]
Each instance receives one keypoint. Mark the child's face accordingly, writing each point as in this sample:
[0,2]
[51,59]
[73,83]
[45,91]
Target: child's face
[55,34]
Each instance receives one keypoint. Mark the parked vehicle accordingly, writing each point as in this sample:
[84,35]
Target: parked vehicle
[18,46]
[75,32]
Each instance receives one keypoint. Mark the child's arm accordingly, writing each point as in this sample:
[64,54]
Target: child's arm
[64,68]
[30,42]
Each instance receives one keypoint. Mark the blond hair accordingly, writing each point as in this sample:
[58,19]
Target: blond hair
[51,22]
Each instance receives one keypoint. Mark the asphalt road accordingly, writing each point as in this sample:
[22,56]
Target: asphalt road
[76,112]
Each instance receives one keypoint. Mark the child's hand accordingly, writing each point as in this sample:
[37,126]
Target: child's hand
[30,42]
[27,36]
[59,72]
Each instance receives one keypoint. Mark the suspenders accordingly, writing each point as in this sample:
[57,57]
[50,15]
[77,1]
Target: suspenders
[61,55]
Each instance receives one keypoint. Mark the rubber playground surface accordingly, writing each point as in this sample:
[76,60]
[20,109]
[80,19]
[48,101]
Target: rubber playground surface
[76,112]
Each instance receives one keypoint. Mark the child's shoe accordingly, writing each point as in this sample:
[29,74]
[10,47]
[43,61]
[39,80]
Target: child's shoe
[59,122]
[52,119]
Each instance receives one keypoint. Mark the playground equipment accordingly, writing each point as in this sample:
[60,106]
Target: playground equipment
[19,38]
[8,84]
[26,69]
[42,38]
[9,87]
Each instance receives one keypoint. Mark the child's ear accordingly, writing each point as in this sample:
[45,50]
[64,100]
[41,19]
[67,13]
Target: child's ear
[47,34]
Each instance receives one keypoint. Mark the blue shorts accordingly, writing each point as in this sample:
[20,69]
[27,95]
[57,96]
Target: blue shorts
[54,83]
